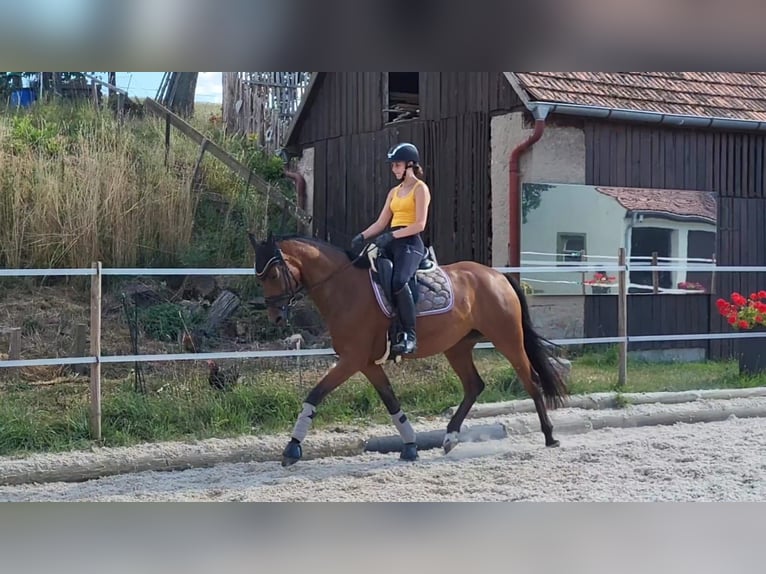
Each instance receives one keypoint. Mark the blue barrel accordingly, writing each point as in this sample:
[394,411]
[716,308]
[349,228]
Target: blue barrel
[22,98]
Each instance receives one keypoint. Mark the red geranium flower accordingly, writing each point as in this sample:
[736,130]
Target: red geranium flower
[742,313]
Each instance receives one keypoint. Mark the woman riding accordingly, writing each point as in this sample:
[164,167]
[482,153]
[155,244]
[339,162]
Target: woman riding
[406,210]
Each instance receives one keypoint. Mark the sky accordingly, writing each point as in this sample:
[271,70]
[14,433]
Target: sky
[145,84]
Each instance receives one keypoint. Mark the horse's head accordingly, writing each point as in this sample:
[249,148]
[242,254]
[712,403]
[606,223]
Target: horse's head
[280,277]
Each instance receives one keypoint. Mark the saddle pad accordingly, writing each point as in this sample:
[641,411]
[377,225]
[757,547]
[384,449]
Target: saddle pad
[435,294]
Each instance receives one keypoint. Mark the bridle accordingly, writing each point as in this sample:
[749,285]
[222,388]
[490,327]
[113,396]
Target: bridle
[292,287]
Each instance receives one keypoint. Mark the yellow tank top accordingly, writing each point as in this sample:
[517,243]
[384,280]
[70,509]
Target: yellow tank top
[403,208]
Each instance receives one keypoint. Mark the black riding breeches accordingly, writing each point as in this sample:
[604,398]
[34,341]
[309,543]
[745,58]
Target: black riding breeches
[406,254]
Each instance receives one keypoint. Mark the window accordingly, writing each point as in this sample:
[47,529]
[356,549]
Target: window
[570,247]
[402,99]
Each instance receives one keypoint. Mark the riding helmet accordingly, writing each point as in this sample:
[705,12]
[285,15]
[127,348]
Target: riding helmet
[404,152]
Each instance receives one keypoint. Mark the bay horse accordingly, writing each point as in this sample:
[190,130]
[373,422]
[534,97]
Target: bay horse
[486,304]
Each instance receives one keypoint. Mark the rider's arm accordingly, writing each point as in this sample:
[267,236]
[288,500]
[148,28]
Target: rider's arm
[383,219]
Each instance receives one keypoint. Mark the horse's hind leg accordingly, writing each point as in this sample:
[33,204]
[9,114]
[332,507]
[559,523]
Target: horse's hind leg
[377,376]
[511,344]
[460,358]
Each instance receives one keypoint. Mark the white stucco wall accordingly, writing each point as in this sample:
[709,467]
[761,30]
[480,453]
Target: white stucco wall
[570,209]
[558,157]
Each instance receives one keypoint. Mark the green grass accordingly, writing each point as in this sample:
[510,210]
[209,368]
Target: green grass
[55,418]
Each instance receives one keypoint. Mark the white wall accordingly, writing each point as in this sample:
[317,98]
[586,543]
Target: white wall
[571,209]
[558,157]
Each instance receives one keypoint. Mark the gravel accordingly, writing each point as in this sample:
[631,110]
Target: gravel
[716,461]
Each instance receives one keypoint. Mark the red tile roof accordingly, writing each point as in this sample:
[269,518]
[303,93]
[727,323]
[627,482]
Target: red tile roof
[740,95]
[672,202]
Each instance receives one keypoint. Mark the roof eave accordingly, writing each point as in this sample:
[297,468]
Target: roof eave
[541,108]
[288,145]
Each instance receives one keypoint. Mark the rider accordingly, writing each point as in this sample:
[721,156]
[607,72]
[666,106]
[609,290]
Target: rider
[406,209]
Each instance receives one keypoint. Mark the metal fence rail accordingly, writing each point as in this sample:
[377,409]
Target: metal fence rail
[97,359]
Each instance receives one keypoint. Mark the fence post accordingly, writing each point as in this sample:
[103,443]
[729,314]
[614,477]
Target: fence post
[95,351]
[655,273]
[167,137]
[622,318]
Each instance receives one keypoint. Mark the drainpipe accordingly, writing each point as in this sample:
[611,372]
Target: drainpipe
[514,191]
[300,188]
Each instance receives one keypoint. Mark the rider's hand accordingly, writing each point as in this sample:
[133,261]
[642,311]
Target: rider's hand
[384,239]
[357,243]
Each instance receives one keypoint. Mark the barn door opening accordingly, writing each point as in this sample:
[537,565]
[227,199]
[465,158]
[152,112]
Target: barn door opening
[402,101]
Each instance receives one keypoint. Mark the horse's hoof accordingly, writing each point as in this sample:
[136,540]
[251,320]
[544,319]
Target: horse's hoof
[450,442]
[552,443]
[409,451]
[292,453]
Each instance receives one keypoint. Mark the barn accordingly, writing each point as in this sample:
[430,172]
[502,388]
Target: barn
[488,136]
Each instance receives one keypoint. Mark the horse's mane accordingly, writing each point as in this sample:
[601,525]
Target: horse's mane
[362,263]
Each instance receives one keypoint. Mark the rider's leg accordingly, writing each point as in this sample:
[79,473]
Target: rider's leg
[407,257]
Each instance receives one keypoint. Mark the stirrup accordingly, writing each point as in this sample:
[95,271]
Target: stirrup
[405,345]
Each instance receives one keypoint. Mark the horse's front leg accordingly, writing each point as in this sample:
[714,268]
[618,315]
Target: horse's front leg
[335,377]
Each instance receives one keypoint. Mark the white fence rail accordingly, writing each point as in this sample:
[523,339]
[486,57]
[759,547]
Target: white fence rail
[95,272]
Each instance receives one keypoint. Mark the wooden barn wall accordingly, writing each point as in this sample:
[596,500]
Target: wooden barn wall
[731,164]
[346,103]
[343,103]
[351,180]
[344,123]
[650,315]
[449,94]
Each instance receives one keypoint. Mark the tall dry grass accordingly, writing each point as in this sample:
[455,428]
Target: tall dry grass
[81,188]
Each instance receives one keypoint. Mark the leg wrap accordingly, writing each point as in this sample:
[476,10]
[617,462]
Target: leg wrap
[303,424]
[403,426]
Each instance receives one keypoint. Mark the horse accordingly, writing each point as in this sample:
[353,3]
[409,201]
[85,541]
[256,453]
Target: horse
[485,304]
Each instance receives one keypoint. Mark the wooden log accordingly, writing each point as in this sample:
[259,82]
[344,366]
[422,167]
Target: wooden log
[95,465]
[599,401]
[14,344]
[224,306]
[434,439]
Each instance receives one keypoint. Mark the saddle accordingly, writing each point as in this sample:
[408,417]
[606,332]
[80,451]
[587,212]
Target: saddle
[431,287]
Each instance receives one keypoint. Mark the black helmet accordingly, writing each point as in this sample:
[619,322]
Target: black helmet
[404,152]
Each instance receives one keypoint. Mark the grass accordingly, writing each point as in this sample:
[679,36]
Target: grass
[54,418]
[78,186]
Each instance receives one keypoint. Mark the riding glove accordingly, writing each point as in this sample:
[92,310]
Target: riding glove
[384,239]
[357,243]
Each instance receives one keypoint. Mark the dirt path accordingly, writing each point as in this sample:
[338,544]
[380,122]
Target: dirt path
[718,461]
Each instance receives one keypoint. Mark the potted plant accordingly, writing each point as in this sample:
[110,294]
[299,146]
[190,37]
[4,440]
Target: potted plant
[601,282]
[692,286]
[747,314]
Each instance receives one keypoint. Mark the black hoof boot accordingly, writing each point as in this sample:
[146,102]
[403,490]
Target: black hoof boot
[551,442]
[292,453]
[409,451]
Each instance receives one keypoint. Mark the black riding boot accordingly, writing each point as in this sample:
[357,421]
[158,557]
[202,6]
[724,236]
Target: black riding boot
[405,306]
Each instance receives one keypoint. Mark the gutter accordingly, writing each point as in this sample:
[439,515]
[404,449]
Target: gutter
[514,187]
[622,114]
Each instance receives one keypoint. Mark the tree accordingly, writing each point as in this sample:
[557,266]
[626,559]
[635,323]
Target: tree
[531,197]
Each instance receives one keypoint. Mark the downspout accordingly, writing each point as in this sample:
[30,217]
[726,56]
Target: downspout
[514,190]
[300,191]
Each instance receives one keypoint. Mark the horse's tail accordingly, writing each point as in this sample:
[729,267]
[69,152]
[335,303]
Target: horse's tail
[539,352]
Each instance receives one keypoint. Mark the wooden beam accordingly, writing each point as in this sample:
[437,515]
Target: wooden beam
[228,160]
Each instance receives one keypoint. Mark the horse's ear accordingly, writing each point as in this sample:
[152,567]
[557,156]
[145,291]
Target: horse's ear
[270,238]
[253,240]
